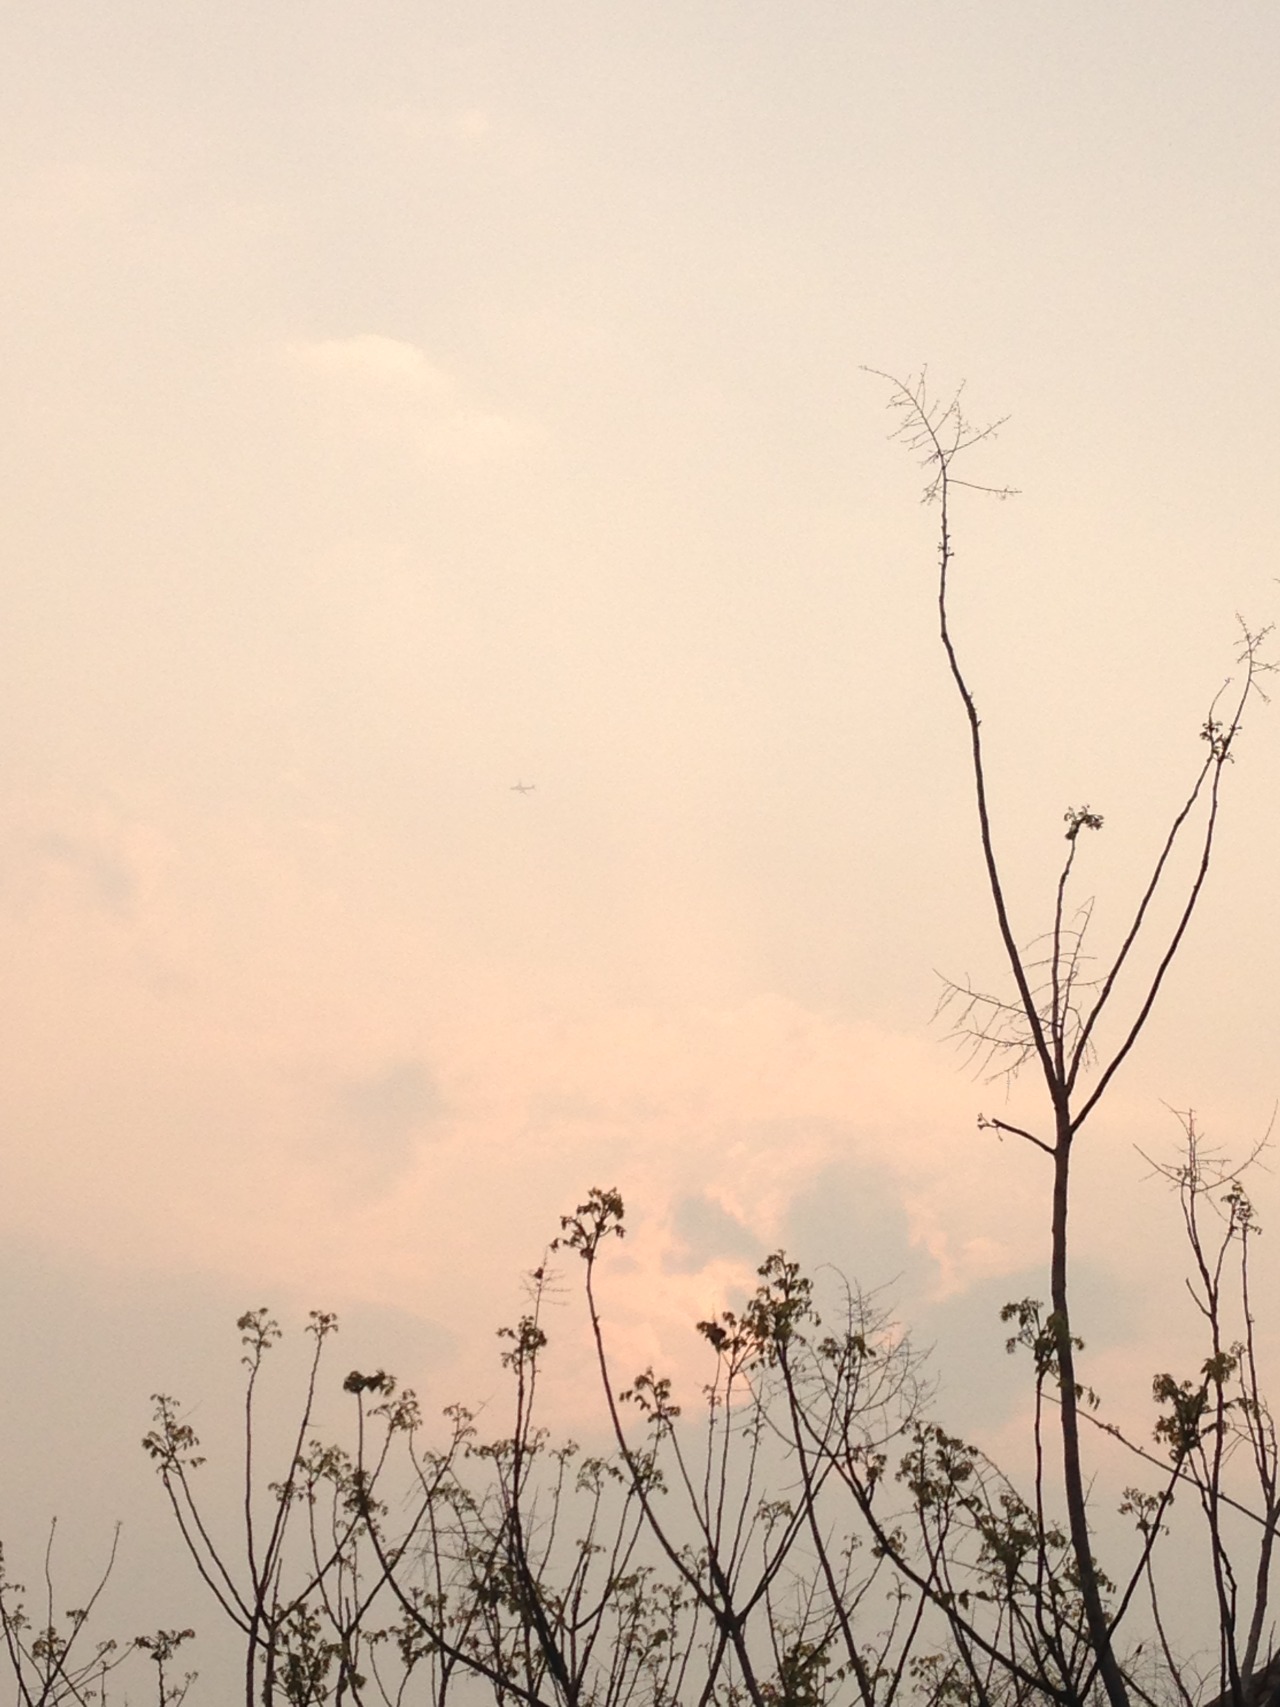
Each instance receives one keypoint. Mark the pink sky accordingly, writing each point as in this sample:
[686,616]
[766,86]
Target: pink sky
[407,402]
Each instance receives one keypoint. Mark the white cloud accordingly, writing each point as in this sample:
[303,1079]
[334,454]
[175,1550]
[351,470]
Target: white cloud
[374,362]
[467,125]
[380,387]
[471,124]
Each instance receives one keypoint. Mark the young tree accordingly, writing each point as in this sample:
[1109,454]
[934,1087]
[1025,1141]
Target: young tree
[57,1660]
[301,1603]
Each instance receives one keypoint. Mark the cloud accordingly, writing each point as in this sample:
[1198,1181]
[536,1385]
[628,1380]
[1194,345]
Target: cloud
[465,125]
[105,876]
[378,1119]
[60,858]
[306,1106]
[374,363]
[391,1104]
[387,388]
[471,125]
[705,1231]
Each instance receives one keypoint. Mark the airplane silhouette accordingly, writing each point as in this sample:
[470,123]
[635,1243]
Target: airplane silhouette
[523,787]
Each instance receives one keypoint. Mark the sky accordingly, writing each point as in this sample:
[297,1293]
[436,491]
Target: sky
[406,401]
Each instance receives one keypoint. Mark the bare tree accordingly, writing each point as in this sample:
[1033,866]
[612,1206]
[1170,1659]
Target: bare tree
[1050,1020]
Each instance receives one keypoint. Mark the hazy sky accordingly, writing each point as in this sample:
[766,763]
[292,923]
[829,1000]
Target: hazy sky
[408,400]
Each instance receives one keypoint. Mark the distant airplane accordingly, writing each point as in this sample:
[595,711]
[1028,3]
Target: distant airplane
[523,787]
